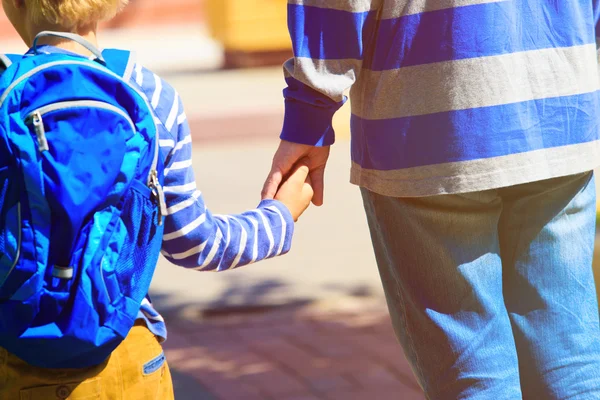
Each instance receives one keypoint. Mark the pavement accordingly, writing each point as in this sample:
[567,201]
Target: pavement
[329,350]
[310,325]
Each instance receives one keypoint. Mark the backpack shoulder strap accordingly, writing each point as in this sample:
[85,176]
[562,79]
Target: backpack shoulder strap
[7,59]
[121,62]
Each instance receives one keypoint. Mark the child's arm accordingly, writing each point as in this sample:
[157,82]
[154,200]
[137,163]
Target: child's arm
[195,238]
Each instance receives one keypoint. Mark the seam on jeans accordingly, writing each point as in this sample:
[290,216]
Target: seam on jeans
[120,390]
[373,197]
[408,333]
[161,382]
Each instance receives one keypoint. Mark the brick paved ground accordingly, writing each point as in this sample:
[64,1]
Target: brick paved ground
[343,350]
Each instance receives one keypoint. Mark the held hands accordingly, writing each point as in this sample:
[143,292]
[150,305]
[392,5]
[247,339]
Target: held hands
[296,192]
[308,166]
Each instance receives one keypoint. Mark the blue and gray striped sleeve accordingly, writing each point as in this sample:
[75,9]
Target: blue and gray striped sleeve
[194,237]
[328,42]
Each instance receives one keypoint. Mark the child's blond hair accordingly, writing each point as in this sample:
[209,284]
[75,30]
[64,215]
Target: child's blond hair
[71,14]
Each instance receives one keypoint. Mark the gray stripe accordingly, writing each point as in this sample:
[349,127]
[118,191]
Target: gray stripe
[391,8]
[477,175]
[400,8]
[330,77]
[343,5]
[476,82]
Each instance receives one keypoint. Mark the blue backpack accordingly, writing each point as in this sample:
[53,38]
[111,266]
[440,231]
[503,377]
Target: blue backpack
[81,205]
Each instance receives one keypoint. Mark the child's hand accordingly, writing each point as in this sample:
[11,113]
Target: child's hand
[296,192]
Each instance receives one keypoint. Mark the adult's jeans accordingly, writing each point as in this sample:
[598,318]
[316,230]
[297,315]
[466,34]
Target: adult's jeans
[492,293]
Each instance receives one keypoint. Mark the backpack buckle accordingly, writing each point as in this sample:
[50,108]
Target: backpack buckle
[65,273]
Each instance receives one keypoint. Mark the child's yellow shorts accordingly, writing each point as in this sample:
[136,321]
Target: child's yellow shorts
[135,370]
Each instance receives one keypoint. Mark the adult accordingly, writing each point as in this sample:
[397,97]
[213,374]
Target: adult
[475,130]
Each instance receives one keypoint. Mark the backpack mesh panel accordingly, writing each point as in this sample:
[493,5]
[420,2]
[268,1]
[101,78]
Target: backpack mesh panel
[139,254]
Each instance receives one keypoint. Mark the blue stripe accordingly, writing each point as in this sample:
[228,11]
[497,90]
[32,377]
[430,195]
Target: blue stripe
[451,34]
[478,31]
[596,5]
[328,34]
[475,133]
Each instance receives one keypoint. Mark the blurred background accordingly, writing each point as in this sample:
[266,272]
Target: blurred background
[310,325]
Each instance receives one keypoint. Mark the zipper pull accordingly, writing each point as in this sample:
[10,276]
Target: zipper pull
[40,131]
[160,194]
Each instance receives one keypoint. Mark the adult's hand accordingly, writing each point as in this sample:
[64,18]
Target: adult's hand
[287,155]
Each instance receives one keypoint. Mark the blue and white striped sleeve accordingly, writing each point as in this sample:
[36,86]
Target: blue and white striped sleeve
[194,237]
[328,42]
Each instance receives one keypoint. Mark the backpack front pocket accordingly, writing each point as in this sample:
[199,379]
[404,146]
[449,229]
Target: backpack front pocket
[84,164]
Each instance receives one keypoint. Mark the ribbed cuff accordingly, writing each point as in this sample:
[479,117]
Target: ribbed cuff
[307,124]
[308,115]
[289,221]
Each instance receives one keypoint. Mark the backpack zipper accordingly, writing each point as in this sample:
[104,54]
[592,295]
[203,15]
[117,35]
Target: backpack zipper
[40,131]
[160,195]
[36,117]
[152,181]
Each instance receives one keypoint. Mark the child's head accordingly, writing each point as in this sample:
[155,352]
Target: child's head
[29,17]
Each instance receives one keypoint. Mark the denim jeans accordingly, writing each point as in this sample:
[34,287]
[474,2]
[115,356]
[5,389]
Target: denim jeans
[492,294]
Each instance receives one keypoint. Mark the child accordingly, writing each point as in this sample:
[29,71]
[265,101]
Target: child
[193,237]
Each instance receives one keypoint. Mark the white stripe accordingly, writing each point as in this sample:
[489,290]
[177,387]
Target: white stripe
[476,82]
[139,74]
[181,119]
[166,143]
[186,229]
[181,189]
[191,252]
[242,248]
[178,166]
[213,251]
[173,114]
[283,229]
[269,232]
[255,247]
[157,91]
[184,204]
[187,140]
[153,317]
[228,241]
[127,74]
